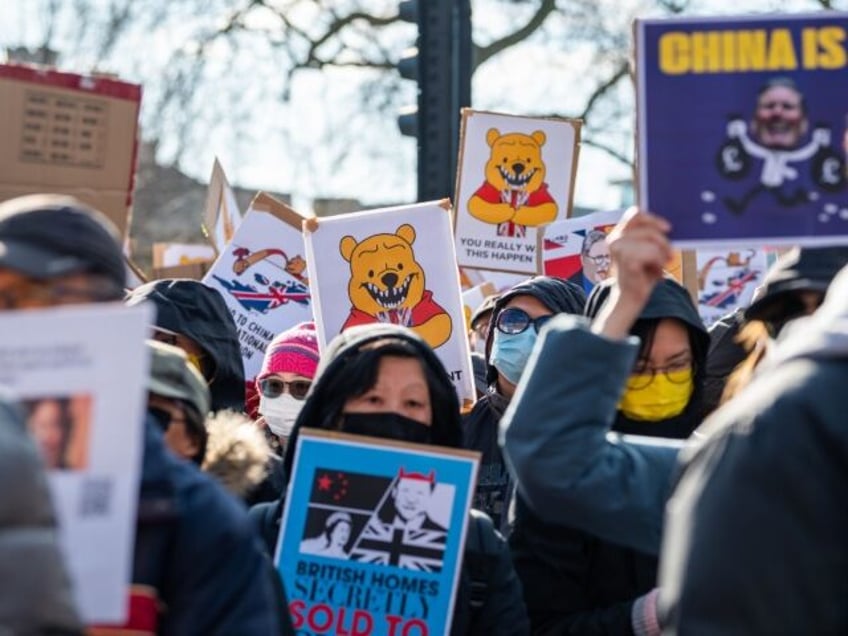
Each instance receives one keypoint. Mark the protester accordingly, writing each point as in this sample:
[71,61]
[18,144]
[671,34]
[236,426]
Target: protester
[516,318]
[479,323]
[237,454]
[282,384]
[178,399]
[197,566]
[196,319]
[756,530]
[383,380]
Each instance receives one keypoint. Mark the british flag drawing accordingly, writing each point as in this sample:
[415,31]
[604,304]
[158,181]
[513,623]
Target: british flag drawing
[275,295]
[420,549]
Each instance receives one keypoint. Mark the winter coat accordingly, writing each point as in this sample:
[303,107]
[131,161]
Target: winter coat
[192,309]
[35,590]
[237,454]
[757,529]
[725,354]
[489,597]
[197,552]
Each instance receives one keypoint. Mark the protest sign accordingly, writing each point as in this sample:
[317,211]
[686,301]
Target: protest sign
[727,280]
[576,249]
[71,134]
[474,297]
[84,406]
[393,265]
[740,122]
[373,535]
[221,216]
[262,276]
[176,254]
[515,174]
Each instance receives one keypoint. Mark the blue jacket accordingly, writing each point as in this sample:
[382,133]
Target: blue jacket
[556,437]
[197,548]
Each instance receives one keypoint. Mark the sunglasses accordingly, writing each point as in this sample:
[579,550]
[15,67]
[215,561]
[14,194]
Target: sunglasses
[513,321]
[273,388]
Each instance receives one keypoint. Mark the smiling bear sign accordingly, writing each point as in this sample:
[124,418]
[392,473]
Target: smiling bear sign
[394,265]
[516,175]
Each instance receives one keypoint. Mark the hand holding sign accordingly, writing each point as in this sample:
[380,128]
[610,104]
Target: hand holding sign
[640,249]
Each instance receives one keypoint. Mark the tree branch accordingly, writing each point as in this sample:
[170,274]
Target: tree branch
[612,152]
[604,87]
[484,53]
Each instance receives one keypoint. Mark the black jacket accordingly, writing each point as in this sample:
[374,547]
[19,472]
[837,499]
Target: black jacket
[756,538]
[190,308]
[489,597]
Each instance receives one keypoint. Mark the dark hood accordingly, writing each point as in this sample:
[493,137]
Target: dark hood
[445,431]
[800,269]
[669,299]
[191,308]
[557,294]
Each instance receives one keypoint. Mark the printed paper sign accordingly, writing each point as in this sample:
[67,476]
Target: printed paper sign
[576,249]
[474,297]
[515,175]
[373,535]
[263,279]
[743,128]
[727,280]
[85,407]
[501,281]
[392,265]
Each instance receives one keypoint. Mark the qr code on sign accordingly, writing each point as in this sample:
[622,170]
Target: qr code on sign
[96,500]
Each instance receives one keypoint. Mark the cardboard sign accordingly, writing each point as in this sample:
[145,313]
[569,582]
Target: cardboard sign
[85,407]
[373,535]
[392,265]
[501,281]
[515,175]
[576,249]
[741,128]
[177,254]
[473,298]
[69,134]
[263,279]
[727,280]
[221,216]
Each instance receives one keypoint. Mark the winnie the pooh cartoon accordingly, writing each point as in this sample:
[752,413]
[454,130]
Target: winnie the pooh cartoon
[514,194]
[388,285]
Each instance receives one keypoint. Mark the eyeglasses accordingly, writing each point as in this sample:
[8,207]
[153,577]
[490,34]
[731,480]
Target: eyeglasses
[601,259]
[513,321]
[642,375]
[163,417]
[273,388]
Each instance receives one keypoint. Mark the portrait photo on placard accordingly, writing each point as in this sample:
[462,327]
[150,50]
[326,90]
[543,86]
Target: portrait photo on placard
[515,174]
[61,427]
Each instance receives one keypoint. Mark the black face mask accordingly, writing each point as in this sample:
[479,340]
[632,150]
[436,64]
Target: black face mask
[386,425]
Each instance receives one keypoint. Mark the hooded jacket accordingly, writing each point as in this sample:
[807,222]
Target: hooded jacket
[36,595]
[765,495]
[190,308]
[668,299]
[480,426]
[237,454]
[502,610]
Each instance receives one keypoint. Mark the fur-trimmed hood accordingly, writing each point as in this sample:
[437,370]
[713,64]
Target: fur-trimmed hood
[236,453]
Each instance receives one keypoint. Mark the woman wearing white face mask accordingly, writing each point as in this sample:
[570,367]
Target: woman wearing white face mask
[283,382]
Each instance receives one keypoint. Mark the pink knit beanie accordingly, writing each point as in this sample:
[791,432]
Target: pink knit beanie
[293,351]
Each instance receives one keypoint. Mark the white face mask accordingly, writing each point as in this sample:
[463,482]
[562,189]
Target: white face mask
[280,413]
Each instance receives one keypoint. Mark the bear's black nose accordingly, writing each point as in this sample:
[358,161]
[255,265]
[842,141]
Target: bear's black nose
[389,280]
[518,168]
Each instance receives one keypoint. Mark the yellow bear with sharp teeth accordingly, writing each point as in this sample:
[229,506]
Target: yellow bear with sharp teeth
[387,285]
[514,192]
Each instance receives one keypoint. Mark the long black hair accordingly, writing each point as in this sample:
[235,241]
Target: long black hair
[350,368]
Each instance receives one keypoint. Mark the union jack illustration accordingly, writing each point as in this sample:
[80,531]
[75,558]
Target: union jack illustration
[730,295]
[272,297]
[413,549]
[512,229]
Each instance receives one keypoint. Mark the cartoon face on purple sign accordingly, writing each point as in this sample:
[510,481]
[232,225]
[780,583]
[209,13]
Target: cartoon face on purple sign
[741,121]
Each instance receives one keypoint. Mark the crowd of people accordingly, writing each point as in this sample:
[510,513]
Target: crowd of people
[639,473]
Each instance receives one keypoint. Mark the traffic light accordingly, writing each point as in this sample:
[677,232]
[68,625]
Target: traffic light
[441,64]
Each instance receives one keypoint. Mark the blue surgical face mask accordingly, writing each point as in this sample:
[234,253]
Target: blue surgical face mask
[511,352]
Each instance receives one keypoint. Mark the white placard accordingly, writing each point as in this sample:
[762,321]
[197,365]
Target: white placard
[727,279]
[81,374]
[392,265]
[515,175]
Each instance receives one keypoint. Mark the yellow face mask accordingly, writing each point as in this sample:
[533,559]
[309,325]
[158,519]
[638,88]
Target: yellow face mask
[660,398]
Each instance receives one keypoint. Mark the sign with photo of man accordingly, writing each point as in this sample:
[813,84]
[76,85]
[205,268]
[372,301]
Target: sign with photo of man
[740,126]
[373,534]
